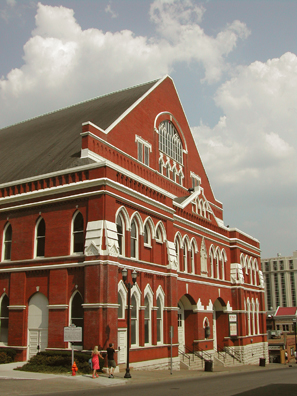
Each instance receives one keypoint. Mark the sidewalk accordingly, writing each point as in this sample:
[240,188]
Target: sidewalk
[29,383]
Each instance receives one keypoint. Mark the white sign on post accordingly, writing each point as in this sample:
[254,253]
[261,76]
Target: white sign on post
[72,334]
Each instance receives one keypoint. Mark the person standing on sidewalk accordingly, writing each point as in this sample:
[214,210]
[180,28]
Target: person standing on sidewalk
[111,361]
[95,361]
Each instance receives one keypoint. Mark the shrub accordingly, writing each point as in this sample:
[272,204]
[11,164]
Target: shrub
[58,362]
[7,355]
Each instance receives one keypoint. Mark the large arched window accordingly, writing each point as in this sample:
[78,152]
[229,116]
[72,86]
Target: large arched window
[170,142]
[134,239]
[4,319]
[77,313]
[121,234]
[7,242]
[78,233]
[40,238]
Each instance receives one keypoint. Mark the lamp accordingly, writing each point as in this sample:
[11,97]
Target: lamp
[129,287]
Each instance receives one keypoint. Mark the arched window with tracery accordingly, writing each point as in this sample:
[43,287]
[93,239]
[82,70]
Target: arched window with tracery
[121,234]
[170,142]
[134,239]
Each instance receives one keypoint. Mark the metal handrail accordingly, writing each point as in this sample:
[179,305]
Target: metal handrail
[200,353]
[221,353]
[184,355]
[235,354]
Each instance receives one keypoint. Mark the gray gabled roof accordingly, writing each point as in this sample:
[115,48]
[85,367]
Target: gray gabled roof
[52,142]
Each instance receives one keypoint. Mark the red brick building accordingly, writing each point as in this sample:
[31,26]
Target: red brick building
[117,182]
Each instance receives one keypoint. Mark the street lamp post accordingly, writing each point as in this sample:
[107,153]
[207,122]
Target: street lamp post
[294,327]
[129,287]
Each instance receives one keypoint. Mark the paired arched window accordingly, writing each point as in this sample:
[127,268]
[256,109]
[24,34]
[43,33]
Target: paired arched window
[147,235]
[4,319]
[147,321]
[40,238]
[170,142]
[134,320]
[121,312]
[121,234]
[7,242]
[78,233]
[134,239]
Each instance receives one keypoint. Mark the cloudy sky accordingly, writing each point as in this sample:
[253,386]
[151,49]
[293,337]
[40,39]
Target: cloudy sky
[234,65]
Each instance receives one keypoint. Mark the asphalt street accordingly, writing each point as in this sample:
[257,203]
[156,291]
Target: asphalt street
[242,381]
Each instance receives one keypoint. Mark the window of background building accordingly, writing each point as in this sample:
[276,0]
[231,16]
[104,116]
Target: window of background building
[276,288]
[284,298]
[293,290]
[268,292]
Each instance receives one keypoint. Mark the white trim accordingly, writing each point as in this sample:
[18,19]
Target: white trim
[58,306]
[16,307]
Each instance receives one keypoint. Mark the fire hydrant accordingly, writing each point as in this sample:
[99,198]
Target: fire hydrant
[74,368]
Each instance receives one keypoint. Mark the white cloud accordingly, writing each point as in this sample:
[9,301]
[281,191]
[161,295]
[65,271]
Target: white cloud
[110,11]
[252,149]
[64,64]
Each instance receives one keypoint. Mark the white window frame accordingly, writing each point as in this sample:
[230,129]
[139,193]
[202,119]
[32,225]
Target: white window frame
[143,146]
[148,294]
[4,242]
[136,240]
[36,237]
[121,217]
[161,296]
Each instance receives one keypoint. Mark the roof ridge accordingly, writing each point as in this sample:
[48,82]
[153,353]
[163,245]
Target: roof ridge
[79,103]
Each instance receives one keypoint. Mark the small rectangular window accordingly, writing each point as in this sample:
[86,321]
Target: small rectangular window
[146,155]
[140,151]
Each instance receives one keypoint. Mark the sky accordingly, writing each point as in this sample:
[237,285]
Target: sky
[234,65]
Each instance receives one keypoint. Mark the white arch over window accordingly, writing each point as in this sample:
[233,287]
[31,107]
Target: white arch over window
[39,240]
[149,231]
[122,299]
[123,211]
[7,242]
[217,257]
[212,257]
[76,312]
[160,300]
[160,232]
[224,261]
[135,305]
[148,305]
[178,243]
[186,250]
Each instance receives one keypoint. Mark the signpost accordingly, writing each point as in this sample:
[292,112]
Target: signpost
[171,337]
[72,334]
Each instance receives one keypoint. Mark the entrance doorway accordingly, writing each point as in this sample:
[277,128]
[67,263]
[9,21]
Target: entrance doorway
[181,326]
[122,345]
[220,324]
[37,324]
